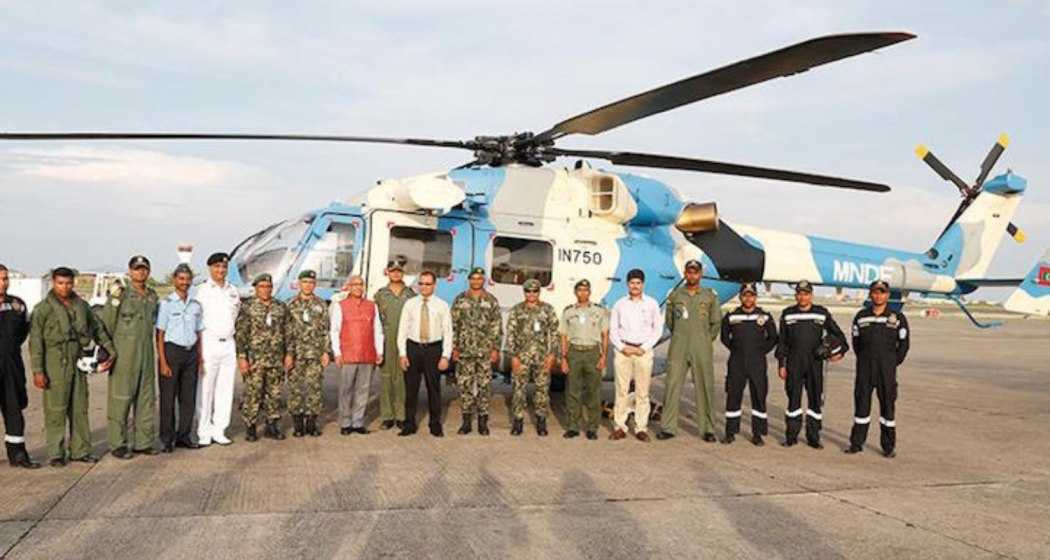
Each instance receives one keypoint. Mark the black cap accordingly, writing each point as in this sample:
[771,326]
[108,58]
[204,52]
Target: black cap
[138,261]
[308,275]
[217,258]
[395,264]
[693,263]
[880,285]
[585,283]
[636,273]
[182,268]
[748,287]
[804,286]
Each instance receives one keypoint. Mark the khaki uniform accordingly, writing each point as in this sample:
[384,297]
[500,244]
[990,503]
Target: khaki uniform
[584,326]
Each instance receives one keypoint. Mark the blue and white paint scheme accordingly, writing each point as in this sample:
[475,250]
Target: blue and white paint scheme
[1032,297]
[562,225]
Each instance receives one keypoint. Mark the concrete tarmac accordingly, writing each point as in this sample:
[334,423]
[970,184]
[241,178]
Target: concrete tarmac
[971,480]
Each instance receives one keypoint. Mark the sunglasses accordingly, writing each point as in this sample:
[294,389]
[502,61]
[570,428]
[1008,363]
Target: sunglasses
[532,291]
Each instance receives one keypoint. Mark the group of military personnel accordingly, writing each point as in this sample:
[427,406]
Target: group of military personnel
[138,336]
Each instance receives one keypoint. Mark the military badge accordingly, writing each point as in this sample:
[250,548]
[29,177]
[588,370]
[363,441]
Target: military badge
[762,318]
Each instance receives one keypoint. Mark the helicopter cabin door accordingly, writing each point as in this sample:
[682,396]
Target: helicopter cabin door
[441,244]
[332,249]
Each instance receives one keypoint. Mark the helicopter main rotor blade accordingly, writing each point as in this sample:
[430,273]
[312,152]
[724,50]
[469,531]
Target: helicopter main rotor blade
[225,136]
[784,62]
[992,157]
[722,168]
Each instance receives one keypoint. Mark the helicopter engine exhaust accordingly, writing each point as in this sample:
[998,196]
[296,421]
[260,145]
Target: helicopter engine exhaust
[698,218]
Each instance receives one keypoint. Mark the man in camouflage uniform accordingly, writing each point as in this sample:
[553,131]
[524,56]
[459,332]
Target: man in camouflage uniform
[532,342]
[390,299]
[584,347]
[308,346]
[130,316]
[61,326]
[262,357]
[478,330]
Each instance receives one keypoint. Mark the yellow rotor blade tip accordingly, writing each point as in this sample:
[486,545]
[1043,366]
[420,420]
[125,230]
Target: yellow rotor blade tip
[1004,140]
[921,150]
[1020,237]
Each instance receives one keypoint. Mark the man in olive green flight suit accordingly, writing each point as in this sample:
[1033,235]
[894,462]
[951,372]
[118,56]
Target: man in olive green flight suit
[60,328]
[130,315]
[390,299]
[584,347]
[695,319]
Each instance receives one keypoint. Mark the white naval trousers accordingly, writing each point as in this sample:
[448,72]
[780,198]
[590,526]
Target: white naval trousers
[215,390]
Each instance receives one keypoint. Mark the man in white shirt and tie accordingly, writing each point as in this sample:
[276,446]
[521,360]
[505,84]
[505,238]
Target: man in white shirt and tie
[424,345]
[220,304]
[635,326]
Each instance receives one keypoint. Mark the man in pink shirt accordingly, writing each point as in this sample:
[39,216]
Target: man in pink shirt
[635,327]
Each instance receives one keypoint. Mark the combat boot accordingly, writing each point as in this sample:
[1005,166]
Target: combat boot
[483,424]
[466,427]
[311,426]
[517,426]
[250,433]
[541,425]
[274,430]
[18,457]
[297,422]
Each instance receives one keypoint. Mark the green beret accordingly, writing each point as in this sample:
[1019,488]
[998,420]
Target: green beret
[477,270]
[262,278]
[308,274]
[530,285]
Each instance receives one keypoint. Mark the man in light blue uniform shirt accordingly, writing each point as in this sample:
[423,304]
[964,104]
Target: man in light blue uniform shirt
[179,321]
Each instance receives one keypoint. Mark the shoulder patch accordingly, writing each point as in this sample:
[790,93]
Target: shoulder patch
[116,290]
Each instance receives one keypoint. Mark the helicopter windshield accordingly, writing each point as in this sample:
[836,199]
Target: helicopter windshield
[272,250]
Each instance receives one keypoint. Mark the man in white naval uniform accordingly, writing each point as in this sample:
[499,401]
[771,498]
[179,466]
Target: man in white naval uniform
[220,303]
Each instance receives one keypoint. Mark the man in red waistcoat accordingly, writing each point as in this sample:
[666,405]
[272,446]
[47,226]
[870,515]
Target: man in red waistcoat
[357,343]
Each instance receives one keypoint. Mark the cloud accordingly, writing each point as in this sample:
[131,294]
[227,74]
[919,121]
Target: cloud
[124,167]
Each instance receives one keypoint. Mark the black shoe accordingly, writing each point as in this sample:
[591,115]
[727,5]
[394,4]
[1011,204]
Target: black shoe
[815,444]
[436,431]
[407,430]
[592,435]
[273,431]
[120,453]
[852,449]
[541,425]
[730,438]
[889,454]
[89,458]
[517,427]
[312,429]
[17,456]
[399,424]
[789,443]
[387,424]
[58,462]
[346,431]
[483,424]
[186,444]
[466,427]
[250,434]
[146,451]
[298,423]
[709,437]
[664,435]
[360,430]
[570,434]
[167,448]
[756,440]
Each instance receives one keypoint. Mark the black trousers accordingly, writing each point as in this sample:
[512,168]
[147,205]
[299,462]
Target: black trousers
[13,397]
[423,364]
[879,373]
[754,378]
[181,387]
[807,374]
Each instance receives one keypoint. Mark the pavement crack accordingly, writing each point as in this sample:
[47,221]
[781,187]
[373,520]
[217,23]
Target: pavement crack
[47,512]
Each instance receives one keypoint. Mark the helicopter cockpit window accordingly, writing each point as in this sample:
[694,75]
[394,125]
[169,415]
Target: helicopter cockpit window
[332,256]
[422,249]
[516,260]
[272,252]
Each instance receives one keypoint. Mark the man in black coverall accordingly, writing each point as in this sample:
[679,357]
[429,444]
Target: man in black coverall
[749,332]
[14,328]
[881,340]
[802,336]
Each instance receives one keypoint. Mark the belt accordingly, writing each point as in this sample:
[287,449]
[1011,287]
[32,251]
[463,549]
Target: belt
[627,343]
[432,343]
[582,348]
[189,348]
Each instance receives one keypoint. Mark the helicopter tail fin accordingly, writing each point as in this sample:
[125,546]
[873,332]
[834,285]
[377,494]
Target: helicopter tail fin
[969,242]
[1032,297]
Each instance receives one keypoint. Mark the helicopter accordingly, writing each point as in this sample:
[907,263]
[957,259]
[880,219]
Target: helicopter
[517,217]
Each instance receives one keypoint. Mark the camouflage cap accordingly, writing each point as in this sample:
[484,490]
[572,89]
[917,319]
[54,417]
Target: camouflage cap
[264,277]
[138,261]
[531,285]
[585,283]
[693,264]
[477,270]
[748,288]
[879,286]
[308,275]
[804,286]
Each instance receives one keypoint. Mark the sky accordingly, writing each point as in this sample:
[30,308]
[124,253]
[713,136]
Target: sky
[459,69]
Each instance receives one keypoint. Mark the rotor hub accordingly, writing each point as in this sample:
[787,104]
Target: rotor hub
[520,147]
